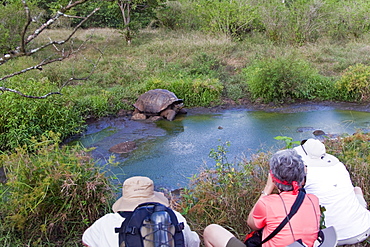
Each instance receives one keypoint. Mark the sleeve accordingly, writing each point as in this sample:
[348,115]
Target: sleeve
[259,214]
[191,237]
[102,232]
[89,237]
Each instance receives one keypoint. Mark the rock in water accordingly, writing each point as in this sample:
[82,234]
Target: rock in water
[123,147]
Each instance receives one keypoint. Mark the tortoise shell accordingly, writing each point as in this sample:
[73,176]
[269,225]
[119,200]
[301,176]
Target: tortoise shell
[156,100]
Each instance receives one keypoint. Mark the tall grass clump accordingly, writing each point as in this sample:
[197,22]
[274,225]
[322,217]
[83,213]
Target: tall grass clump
[347,19]
[285,79]
[228,17]
[292,22]
[175,15]
[50,196]
[226,193]
[355,83]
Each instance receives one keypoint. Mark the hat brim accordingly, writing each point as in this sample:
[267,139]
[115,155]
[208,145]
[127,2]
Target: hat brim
[123,204]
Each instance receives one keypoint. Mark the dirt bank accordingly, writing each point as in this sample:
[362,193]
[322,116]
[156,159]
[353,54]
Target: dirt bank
[284,108]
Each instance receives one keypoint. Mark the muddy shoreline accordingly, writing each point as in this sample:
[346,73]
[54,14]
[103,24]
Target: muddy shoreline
[300,106]
[284,108]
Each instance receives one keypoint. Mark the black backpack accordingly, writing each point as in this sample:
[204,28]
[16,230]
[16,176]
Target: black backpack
[150,225]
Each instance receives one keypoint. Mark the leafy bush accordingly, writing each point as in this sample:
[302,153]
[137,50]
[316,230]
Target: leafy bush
[282,79]
[12,19]
[198,91]
[355,83]
[51,196]
[22,119]
[320,88]
[226,193]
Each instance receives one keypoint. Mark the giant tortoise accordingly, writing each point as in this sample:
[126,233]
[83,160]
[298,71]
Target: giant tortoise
[157,102]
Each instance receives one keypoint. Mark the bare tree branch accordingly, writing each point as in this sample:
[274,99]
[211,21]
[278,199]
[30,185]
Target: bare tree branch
[22,49]
[25,95]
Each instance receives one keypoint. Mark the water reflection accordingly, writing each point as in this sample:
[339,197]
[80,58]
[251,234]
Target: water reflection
[170,152]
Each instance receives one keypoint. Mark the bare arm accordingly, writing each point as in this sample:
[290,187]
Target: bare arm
[269,187]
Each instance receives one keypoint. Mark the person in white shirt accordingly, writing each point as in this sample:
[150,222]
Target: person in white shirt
[135,190]
[329,180]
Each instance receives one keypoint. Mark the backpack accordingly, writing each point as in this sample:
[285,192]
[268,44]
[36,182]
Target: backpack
[151,224]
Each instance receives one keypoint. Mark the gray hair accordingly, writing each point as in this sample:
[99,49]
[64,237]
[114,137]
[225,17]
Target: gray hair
[287,165]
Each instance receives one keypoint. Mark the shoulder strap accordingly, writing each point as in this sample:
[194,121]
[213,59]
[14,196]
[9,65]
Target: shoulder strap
[129,232]
[297,203]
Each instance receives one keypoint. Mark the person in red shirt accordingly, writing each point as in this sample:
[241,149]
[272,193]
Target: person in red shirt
[287,174]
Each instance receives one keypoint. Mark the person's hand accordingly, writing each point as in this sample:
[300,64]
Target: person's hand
[269,187]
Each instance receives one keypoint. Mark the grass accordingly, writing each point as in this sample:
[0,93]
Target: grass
[214,62]
[226,193]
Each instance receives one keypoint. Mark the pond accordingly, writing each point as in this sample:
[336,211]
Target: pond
[171,152]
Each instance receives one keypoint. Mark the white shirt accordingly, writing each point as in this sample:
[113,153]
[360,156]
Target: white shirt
[330,181]
[102,232]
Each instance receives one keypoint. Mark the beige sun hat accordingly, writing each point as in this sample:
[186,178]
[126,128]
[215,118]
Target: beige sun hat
[137,190]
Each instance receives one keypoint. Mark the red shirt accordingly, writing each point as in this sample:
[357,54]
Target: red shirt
[269,212]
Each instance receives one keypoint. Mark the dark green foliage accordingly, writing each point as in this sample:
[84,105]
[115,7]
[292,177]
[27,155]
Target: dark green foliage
[284,79]
[195,91]
[22,119]
[355,83]
[172,15]
[51,196]
[12,18]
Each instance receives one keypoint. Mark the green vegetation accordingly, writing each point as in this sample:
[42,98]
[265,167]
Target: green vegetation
[287,79]
[226,193]
[206,52]
[355,83]
[51,196]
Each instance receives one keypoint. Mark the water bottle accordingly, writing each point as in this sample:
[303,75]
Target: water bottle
[162,229]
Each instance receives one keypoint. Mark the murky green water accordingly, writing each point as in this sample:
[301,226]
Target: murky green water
[170,152]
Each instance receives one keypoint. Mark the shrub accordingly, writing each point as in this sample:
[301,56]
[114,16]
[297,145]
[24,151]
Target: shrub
[22,119]
[355,83]
[51,196]
[226,193]
[282,79]
[12,19]
[195,91]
